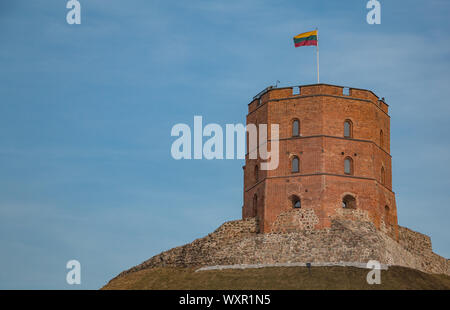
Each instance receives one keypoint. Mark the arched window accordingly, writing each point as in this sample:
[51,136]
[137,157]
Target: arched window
[295,128]
[295,164]
[349,202]
[296,203]
[256,173]
[348,129]
[381,139]
[348,165]
[255,204]
[383,177]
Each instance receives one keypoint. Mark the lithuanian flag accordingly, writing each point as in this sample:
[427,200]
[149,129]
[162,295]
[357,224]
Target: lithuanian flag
[305,39]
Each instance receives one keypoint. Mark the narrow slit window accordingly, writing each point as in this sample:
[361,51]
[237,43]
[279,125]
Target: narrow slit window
[381,139]
[255,205]
[386,215]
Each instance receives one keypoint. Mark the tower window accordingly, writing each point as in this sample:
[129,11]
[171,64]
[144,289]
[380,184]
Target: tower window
[348,129]
[296,128]
[348,165]
[295,164]
[296,203]
[349,202]
[386,215]
[256,172]
[381,138]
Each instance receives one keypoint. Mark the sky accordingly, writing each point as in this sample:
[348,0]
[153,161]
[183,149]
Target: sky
[86,113]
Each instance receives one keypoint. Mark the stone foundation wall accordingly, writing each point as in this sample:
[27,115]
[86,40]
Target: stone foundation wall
[420,245]
[238,242]
[238,227]
[352,214]
[295,220]
[414,241]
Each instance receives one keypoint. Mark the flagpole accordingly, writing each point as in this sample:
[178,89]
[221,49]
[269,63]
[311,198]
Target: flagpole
[317,51]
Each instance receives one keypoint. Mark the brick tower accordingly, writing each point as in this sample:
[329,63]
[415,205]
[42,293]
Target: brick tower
[334,160]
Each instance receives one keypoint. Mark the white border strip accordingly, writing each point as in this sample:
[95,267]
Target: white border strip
[317,264]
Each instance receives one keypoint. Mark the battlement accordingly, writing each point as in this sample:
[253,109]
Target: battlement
[274,93]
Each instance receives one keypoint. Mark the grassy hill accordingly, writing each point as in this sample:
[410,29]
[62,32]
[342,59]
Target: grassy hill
[277,278]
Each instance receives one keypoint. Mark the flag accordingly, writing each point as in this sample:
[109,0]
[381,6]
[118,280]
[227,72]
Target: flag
[305,39]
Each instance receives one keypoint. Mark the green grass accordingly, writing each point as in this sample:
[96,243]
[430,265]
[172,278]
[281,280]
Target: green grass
[291,278]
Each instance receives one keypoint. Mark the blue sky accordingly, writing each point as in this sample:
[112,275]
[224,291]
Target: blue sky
[86,112]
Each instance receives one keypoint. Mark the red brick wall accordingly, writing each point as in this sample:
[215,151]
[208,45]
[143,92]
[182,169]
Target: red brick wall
[321,183]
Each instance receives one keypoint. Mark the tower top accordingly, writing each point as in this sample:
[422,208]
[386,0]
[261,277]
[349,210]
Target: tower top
[273,93]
